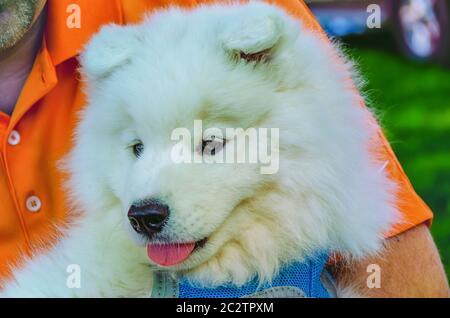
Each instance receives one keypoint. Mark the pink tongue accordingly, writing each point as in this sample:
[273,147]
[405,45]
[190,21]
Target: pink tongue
[169,254]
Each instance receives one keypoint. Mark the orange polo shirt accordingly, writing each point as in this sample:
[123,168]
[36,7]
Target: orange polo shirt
[39,131]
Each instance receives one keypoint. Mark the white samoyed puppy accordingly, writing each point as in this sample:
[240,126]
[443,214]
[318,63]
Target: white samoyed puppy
[136,208]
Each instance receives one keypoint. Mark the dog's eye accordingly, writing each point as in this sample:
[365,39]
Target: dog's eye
[212,145]
[138,149]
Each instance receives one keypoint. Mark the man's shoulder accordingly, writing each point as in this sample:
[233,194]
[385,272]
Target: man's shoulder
[134,10]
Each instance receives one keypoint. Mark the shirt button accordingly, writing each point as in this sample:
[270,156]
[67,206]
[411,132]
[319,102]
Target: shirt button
[14,138]
[33,204]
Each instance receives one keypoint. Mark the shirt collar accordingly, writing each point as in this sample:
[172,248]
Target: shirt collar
[61,42]
[63,39]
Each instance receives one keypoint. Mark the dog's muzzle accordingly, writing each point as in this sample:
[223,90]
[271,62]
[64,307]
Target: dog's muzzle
[148,218]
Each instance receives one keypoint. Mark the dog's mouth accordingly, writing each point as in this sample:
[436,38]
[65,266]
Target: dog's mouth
[170,254]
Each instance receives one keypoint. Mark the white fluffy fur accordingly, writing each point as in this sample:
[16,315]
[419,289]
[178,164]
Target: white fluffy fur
[144,81]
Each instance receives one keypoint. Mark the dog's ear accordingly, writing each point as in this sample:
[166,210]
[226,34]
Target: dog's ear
[253,35]
[111,48]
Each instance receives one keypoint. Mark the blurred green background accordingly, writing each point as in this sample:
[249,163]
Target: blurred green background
[413,101]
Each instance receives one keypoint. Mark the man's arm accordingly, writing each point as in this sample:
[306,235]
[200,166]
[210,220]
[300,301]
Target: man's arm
[410,267]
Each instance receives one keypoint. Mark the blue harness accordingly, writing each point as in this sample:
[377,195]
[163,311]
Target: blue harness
[305,279]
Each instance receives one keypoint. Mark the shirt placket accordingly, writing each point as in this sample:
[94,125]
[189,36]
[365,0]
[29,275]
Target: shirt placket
[41,80]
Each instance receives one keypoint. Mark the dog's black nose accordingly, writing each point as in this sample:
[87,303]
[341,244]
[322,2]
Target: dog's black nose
[149,217]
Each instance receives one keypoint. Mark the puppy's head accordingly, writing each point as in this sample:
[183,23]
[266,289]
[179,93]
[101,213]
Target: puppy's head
[171,87]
